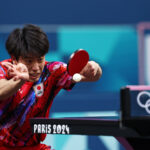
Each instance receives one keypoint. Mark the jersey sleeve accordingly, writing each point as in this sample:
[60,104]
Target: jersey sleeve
[3,104]
[63,79]
[2,73]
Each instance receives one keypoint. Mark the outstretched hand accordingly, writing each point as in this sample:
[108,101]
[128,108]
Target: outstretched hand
[16,72]
[91,72]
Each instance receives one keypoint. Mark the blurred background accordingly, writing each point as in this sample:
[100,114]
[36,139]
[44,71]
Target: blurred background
[116,35]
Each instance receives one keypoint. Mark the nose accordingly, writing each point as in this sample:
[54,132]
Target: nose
[35,67]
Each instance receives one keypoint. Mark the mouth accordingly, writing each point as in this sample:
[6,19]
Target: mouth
[34,76]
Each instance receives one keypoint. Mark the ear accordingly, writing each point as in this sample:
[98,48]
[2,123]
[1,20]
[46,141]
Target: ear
[14,61]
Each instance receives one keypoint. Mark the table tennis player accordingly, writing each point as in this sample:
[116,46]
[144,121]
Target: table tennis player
[28,85]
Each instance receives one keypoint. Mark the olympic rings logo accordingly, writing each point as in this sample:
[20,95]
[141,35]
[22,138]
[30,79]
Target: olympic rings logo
[145,105]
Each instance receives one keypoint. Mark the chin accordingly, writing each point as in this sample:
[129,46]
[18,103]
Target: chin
[34,80]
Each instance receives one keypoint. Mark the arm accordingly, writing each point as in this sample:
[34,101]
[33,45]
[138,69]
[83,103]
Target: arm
[18,75]
[91,72]
[9,87]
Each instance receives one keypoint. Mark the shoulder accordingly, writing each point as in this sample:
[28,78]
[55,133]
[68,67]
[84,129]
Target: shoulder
[56,65]
[2,68]
[6,60]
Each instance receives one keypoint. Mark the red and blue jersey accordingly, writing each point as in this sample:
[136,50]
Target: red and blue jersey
[31,100]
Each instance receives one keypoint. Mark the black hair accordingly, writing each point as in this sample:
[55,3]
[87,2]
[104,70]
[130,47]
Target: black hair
[28,41]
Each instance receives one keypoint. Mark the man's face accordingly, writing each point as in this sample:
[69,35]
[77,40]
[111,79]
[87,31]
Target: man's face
[35,66]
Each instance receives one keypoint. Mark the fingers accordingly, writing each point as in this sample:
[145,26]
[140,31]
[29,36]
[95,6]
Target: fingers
[11,72]
[8,65]
[90,70]
[21,67]
[18,71]
[16,78]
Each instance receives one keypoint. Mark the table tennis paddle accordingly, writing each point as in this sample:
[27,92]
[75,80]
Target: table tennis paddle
[77,61]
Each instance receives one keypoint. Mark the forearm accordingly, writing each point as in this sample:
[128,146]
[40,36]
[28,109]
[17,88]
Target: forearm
[9,87]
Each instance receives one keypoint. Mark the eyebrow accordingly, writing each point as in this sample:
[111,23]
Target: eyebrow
[31,57]
[27,57]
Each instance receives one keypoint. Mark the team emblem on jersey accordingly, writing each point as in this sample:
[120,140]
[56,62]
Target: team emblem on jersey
[39,89]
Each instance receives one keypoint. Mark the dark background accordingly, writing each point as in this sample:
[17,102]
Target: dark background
[74,11]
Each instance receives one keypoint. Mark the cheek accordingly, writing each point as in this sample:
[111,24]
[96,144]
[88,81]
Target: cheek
[29,67]
[42,66]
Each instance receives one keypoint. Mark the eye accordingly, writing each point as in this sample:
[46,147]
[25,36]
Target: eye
[40,60]
[29,61]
